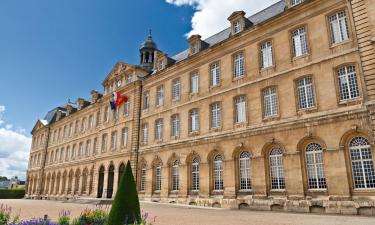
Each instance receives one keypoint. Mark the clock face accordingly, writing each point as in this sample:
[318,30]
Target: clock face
[119,83]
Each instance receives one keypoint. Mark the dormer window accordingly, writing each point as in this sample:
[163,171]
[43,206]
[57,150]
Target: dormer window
[295,2]
[237,27]
[119,83]
[194,48]
[129,78]
[161,64]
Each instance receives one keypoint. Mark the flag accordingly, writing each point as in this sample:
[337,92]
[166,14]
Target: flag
[117,100]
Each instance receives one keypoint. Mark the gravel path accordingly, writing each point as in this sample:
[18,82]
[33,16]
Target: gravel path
[184,215]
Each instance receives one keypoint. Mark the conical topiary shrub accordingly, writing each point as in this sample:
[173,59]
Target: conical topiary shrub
[125,207]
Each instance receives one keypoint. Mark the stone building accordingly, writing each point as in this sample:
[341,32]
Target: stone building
[275,112]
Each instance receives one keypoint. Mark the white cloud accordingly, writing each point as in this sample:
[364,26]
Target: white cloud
[14,150]
[211,15]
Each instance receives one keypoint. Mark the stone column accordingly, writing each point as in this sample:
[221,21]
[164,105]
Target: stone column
[149,178]
[258,175]
[87,184]
[115,183]
[95,184]
[105,184]
[80,185]
[293,174]
[204,180]
[164,182]
[183,181]
[229,179]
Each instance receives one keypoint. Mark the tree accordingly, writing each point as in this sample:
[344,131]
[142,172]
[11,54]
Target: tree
[125,207]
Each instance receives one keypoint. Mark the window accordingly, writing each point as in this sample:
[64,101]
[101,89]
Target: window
[194,120]
[296,2]
[65,132]
[83,124]
[160,95]
[129,78]
[362,163]
[106,114]
[299,42]
[276,169]
[315,167]
[270,102]
[175,125]
[218,173]
[239,65]
[61,155]
[158,178]
[195,175]
[145,133]
[159,129]
[215,115]
[127,108]
[91,121]
[194,48]
[237,27]
[67,153]
[194,83]
[305,93]
[245,171]
[124,137]
[339,27]
[94,146]
[161,64]
[266,54]
[88,147]
[70,129]
[80,152]
[175,175]
[348,84]
[240,107]
[104,142]
[176,90]
[73,151]
[146,100]
[143,177]
[114,140]
[215,74]
[116,113]
[97,118]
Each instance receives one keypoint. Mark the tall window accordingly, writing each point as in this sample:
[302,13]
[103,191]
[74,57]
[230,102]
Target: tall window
[88,147]
[76,129]
[104,142]
[91,121]
[266,54]
[194,120]
[237,27]
[215,74]
[348,84]
[362,163]
[158,178]
[195,175]
[67,154]
[73,151]
[194,82]
[160,95]
[146,100]
[145,133]
[175,175]
[97,118]
[315,167]
[94,146]
[305,93]
[159,129]
[143,177]
[127,108]
[239,65]
[175,125]
[106,114]
[218,173]
[176,89]
[124,137]
[80,150]
[129,78]
[61,155]
[70,129]
[299,41]
[114,140]
[296,2]
[339,27]
[245,171]
[240,107]
[276,169]
[116,113]
[215,115]
[271,107]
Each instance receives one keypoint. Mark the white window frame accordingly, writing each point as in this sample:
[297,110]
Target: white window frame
[175,125]
[218,174]
[160,95]
[266,54]
[270,101]
[276,165]
[245,171]
[314,167]
[295,2]
[195,175]
[215,74]
[158,177]
[124,137]
[159,126]
[175,176]
[238,65]
[143,177]
[104,143]
[237,27]
[146,100]
[305,93]
[339,27]
[194,83]
[348,83]
[194,120]
[145,133]
[114,140]
[299,42]
[176,89]
[240,109]
[127,108]
[215,115]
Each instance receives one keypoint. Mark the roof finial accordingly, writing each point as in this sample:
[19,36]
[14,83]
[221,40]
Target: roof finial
[150,33]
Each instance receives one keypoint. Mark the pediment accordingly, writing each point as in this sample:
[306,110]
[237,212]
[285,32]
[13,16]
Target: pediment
[38,125]
[118,70]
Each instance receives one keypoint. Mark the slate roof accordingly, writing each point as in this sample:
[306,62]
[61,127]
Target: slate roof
[272,11]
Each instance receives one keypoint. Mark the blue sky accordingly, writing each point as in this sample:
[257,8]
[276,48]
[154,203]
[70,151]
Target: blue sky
[55,50]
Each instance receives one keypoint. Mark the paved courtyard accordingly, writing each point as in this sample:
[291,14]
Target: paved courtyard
[185,215]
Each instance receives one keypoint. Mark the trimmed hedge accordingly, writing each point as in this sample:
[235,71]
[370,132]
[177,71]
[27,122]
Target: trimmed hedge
[12,194]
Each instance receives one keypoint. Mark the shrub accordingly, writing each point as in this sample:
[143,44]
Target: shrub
[125,207]
[35,222]
[64,218]
[12,194]
[5,215]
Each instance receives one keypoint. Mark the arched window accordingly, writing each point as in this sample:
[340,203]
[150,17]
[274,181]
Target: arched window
[195,175]
[143,177]
[245,171]
[158,178]
[175,175]
[218,173]
[277,169]
[362,163]
[315,167]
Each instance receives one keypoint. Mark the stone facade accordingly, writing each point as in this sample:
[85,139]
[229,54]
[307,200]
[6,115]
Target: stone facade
[277,115]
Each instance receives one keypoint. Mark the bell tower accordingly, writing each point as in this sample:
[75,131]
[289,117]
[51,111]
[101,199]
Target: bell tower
[147,53]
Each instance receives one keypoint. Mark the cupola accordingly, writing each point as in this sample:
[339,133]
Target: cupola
[147,51]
